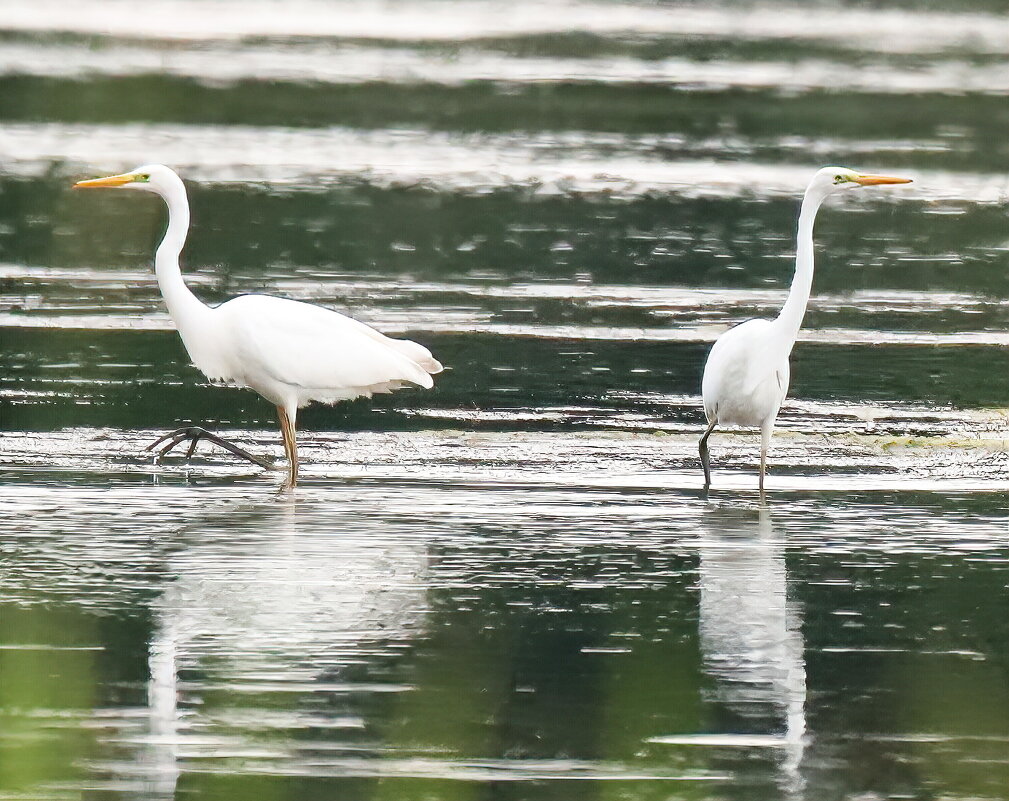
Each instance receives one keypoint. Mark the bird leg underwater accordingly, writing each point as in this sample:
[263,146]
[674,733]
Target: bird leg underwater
[193,434]
[702,446]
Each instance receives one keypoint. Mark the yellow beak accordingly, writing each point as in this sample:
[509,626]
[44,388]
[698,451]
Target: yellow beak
[112,180]
[876,180]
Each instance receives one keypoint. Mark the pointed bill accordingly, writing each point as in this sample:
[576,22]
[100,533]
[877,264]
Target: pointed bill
[111,180]
[877,180]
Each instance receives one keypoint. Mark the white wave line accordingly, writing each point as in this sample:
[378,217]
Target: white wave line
[228,63]
[415,20]
[700,333]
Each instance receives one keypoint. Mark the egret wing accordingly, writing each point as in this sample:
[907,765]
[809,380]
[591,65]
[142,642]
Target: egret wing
[311,347]
[412,350]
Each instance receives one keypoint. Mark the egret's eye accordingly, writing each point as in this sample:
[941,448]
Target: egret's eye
[839,179]
[141,179]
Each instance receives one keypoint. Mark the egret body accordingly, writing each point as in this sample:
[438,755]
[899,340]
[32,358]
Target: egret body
[746,374]
[291,353]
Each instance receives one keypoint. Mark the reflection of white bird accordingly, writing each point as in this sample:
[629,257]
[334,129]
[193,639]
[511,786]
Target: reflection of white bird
[746,374]
[751,635]
[284,601]
[291,353]
[160,760]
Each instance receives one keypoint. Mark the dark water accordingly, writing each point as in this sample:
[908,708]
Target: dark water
[509,587]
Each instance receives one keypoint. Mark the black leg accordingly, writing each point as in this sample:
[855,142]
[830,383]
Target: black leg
[193,434]
[702,446]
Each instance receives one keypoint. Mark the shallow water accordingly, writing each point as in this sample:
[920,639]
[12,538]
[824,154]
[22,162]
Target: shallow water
[512,586]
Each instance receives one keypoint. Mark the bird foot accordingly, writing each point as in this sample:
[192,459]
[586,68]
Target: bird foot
[193,434]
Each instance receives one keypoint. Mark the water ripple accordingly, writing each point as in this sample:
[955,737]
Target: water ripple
[229,64]
[884,30]
[553,163]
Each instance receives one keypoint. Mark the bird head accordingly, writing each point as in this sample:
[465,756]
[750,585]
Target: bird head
[156,178]
[833,179]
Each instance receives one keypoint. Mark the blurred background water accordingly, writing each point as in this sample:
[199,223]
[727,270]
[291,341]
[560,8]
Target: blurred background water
[509,587]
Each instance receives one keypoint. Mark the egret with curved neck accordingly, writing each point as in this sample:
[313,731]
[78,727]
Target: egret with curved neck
[291,353]
[746,375]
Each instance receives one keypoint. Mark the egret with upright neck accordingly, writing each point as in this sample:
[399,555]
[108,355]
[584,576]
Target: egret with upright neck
[746,375]
[291,353]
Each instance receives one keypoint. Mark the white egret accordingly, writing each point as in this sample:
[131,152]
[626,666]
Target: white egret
[291,353]
[746,375]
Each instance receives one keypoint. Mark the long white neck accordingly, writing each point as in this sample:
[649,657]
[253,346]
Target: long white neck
[789,320]
[183,306]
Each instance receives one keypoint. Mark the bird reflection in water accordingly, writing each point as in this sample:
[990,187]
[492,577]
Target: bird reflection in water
[751,638]
[283,602]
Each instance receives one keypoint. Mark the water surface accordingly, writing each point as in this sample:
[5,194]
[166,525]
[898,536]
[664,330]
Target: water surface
[509,587]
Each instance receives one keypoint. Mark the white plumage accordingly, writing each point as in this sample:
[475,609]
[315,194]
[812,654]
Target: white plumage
[295,353]
[746,374]
[738,389]
[291,353]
